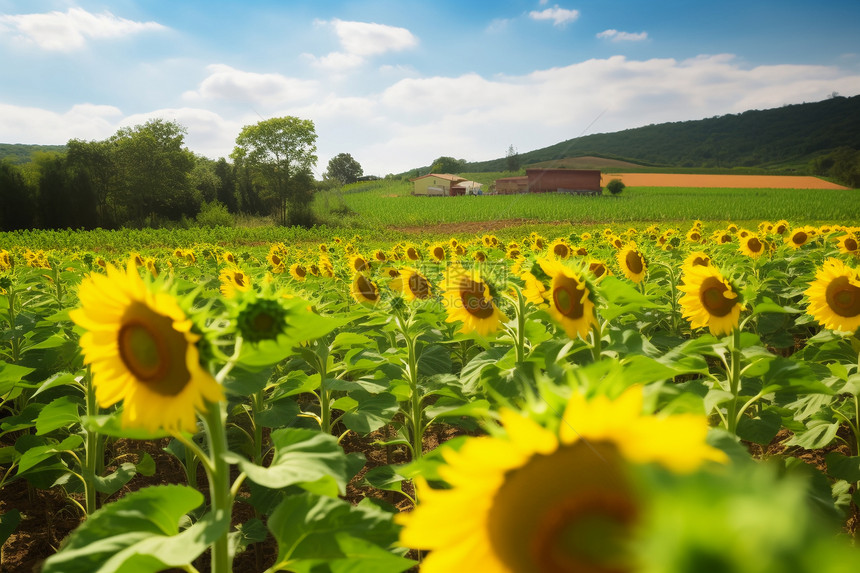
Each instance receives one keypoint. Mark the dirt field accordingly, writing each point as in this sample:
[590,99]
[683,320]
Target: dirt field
[733,181]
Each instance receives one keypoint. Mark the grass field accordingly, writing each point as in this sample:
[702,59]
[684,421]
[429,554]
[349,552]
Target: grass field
[390,205]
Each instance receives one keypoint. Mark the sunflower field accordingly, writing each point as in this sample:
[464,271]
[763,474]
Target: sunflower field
[646,399]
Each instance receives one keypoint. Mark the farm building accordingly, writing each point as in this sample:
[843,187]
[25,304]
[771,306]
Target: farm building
[579,181]
[434,184]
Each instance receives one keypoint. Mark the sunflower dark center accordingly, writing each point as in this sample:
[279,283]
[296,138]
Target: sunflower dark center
[598,269]
[366,288]
[276,260]
[561,250]
[712,295]
[412,254]
[568,511]
[359,264]
[799,238]
[239,279]
[633,260]
[695,236]
[567,299]
[439,253]
[843,298]
[701,261]
[153,351]
[419,286]
[473,299]
[850,244]
[754,245]
[300,270]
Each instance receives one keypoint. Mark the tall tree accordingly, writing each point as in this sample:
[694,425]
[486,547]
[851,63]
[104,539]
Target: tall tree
[94,161]
[512,159]
[154,168]
[274,151]
[226,192]
[344,168]
[17,205]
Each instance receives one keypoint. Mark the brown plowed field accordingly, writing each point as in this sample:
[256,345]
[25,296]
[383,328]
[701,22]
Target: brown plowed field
[733,181]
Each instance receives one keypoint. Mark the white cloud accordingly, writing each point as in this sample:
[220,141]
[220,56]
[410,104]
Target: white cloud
[559,16]
[361,40]
[413,120]
[226,83]
[70,30]
[617,36]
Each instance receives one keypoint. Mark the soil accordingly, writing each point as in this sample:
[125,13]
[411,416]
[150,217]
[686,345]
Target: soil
[48,516]
[719,181]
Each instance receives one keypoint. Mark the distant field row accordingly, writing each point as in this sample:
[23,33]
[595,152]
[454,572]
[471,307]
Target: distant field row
[390,206]
[720,181]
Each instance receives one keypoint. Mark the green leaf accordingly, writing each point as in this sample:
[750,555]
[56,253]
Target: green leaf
[792,376]
[384,477]
[39,454]
[138,534]
[622,298]
[373,411]
[252,531]
[325,534]
[8,524]
[840,466]
[818,435]
[243,382]
[58,379]
[111,425]
[306,458]
[434,359]
[761,429]
[60,413]
[470,376]
[112,483]
[278,413]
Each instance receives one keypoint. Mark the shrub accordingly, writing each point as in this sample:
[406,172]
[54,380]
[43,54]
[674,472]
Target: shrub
[214,214]
[615,186]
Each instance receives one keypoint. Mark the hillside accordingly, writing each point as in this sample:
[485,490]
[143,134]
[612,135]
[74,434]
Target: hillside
[781,137]
[21,153]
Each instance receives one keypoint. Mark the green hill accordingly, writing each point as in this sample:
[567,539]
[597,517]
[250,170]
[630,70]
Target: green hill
[22,153]
[784,138]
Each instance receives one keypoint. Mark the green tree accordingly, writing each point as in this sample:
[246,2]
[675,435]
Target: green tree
[279,153]
[448,165]
[226,193]
[93,162]
[17,205]
[615,186]
[154,168]
[512,159]
[344,168]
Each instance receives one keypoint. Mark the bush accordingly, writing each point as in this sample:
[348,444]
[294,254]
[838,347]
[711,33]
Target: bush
[215,214]
[615,186]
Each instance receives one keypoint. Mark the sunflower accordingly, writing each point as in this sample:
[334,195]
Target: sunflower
[5,260]
[438,252]
[142,351]
[479,256]
[467,298]
[694,235]
[539,500]
[276,262]
[696,259]
[710,300]
[412,253]
[834,296]
[380,256]
[559,248]
[849,244]
[632,263]
[798,238]
[752,246]
[233,281]
[358,264]
[570,299]
[298,272]
[363,290]
[228,258]
[412,285]
[598,269]
[780,227]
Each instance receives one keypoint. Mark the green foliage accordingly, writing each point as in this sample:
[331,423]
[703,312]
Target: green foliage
[20,153]
[615,186]
[344,168]
[215,214]
[843,165]
[512,159]
[279,154]
[448,165]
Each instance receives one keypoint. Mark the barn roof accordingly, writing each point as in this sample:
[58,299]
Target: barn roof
[446,176]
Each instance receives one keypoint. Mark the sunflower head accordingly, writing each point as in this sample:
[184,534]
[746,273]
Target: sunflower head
[697,259]
[468,298]
[632,263]
[570,299]
[535,499]
[142,351]
[358,264]
[412,285]
[849,244]
[234,281]
[710,300]
[559,248]
[752,246]
[260,318]
[364,290]
[834,296]
[798,237]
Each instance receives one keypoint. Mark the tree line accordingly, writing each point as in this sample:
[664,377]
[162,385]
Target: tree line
[144,176]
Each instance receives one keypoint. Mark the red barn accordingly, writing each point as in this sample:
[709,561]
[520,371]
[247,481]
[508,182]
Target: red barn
[578,181]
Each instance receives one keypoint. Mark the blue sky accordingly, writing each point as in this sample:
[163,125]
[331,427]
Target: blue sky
[397,83]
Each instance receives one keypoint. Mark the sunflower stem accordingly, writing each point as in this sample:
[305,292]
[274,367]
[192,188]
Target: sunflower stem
[92,446]
[415,414]
[597,340]
[734,380]
[520,310]
[219,483]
